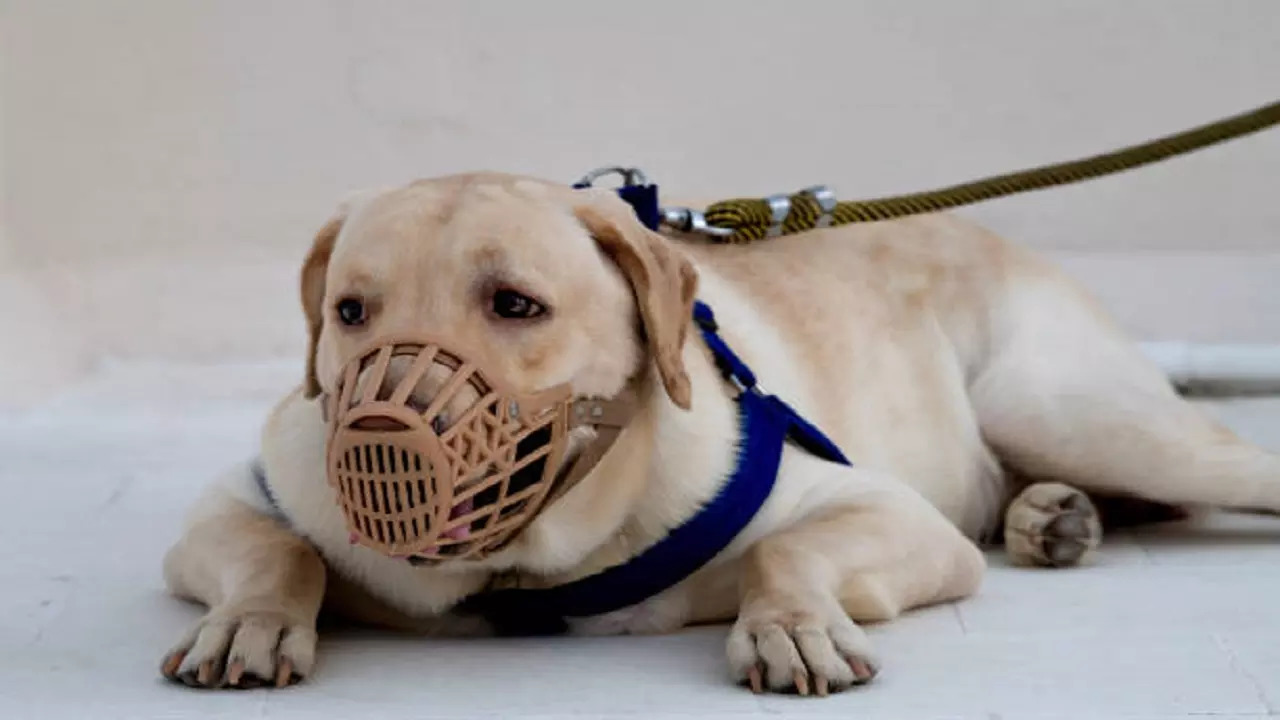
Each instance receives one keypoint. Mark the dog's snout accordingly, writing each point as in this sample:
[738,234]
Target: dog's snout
[425,396]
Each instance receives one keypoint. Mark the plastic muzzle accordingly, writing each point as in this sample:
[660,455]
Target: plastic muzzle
[456,479]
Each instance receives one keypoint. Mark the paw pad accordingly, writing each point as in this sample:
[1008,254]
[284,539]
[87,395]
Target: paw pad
[1051,524]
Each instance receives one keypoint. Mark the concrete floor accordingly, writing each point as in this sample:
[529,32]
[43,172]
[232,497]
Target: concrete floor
[1164,625]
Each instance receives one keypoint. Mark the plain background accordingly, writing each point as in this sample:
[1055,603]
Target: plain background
[166,161]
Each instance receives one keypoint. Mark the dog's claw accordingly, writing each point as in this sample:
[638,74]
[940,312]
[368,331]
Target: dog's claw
[284,675]
[204,675]
[171,664]
[234,672]
[802,682]
[798,652]
[862,671]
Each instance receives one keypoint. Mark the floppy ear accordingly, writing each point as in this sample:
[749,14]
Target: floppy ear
[314,269]
[663,280]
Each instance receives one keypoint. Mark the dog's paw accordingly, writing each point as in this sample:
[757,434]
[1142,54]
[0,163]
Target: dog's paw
[244,649]
[1051,524]
[801,652]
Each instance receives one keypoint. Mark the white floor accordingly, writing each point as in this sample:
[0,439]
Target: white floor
[1165,625]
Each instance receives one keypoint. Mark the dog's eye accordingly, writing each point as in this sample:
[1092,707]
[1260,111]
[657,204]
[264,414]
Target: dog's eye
[512,305]
[351,312]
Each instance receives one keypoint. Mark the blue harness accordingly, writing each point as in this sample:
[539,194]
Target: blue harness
[766,423]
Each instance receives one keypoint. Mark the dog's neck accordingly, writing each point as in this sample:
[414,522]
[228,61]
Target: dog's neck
[665,465]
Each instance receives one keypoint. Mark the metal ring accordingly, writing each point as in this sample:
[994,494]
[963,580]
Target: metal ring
[779,208]
[826,200]
[630,176]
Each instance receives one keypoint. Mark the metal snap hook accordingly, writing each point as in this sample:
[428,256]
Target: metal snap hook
[680,218]
[630,176]
[692,221]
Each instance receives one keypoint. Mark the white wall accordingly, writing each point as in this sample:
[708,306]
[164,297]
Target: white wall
[165,161]
[41,350]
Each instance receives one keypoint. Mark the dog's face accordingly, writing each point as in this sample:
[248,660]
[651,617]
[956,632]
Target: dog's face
[544,284]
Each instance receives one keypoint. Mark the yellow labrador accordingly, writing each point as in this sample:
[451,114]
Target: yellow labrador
[976,390]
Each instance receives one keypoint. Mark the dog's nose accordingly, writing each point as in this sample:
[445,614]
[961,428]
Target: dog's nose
[425,392]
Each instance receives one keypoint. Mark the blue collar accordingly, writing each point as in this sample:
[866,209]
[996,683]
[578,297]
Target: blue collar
[766,424]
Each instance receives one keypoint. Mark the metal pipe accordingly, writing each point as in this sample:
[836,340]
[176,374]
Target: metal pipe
[1205,369]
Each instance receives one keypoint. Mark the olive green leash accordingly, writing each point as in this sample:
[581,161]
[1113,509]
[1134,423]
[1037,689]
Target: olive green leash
[744,220]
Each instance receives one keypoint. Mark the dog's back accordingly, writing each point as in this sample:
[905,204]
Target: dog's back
[875,331]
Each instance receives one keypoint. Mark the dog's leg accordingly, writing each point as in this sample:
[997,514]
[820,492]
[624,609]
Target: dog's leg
[805,587]
[263,587]
[1064,396]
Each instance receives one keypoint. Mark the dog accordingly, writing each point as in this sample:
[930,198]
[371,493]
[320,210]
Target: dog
[976,391]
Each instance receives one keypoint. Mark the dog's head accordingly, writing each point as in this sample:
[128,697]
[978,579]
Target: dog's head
[551,286]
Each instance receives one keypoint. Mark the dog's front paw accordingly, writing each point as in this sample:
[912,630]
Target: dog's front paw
[799,651]
[243,649]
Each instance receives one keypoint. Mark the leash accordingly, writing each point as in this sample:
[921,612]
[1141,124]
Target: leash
[747,219]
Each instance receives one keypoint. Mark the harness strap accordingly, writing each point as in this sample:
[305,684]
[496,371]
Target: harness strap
[545,611]
[766,424]
[799,430]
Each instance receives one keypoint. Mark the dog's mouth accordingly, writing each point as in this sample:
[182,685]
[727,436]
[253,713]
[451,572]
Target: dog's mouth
[454,540]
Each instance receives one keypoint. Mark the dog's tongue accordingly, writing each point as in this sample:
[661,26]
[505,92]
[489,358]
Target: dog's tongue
[463,531]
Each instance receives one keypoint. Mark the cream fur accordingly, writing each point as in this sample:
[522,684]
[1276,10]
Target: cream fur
[947,363]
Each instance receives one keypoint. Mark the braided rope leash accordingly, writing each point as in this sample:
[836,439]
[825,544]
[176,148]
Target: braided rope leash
[744,220]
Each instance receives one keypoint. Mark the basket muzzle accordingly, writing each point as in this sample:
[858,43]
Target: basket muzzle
[454,477]
[432,458]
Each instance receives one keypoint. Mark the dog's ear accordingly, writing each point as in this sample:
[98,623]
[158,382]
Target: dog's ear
[314,269]
[663,280]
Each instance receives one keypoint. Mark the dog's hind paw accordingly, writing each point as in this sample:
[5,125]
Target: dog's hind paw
[1051,524]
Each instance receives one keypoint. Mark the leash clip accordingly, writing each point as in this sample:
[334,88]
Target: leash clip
[642,195]
[636,191]
[689,220]
[631,177]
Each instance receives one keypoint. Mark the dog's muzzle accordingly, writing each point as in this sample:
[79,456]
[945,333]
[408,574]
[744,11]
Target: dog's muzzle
[459,476]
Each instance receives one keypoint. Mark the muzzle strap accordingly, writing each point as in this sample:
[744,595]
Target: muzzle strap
[608,418]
